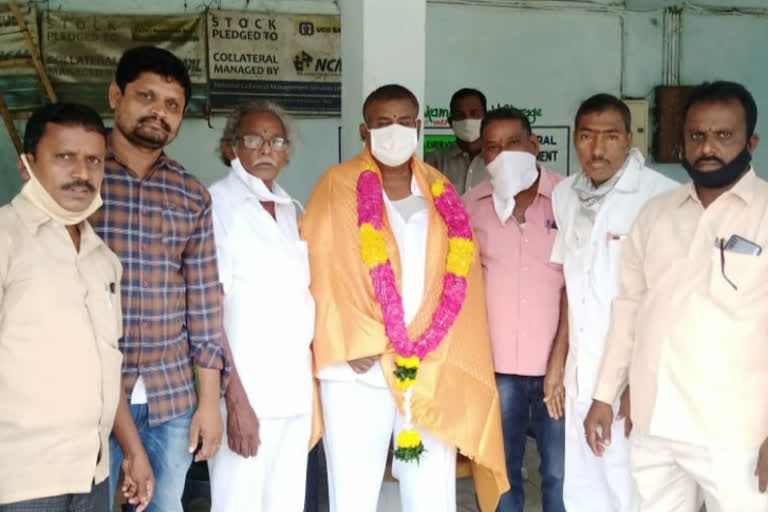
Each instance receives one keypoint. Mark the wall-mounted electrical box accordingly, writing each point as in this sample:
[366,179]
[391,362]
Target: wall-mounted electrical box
[668,123]
[639,127]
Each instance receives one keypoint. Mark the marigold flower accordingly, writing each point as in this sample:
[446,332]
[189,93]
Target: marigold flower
[407,362]
[408,438]
[405,383]
[460,255]
[438,187]
[372,247]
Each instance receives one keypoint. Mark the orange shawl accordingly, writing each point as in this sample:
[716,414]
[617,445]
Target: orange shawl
[455,395]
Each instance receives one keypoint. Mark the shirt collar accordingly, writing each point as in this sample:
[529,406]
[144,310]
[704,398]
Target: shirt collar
[744,189]
[455,151]
[630,180]
[242,192]
[33,217]
[415,190]
[162,161]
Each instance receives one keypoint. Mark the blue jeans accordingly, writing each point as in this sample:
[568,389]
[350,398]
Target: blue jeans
[167,448]
[522,407]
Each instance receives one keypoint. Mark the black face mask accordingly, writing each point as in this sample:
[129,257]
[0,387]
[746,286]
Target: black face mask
[727,174]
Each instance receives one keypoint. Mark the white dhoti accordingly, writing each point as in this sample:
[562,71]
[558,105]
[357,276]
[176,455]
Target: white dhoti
[274,480]
[360,422]
[672,475]
[596,484]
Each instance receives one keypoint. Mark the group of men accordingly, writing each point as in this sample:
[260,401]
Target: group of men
[615,283]
[454,312]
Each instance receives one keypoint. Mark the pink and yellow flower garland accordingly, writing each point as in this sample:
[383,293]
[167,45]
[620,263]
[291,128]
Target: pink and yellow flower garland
[410,353]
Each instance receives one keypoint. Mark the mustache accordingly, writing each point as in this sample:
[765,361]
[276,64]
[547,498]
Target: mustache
[162,122]
[265,160]
[79,184]
[599,159]
[704,159]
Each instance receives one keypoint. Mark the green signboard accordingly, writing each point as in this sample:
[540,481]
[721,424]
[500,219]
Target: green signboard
[433,142]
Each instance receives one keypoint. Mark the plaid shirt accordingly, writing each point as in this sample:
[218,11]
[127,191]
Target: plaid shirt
[161,229]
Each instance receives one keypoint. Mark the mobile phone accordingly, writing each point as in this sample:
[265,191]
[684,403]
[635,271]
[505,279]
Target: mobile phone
[742,246]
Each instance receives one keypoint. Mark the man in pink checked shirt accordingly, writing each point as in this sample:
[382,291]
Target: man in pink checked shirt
[511,214]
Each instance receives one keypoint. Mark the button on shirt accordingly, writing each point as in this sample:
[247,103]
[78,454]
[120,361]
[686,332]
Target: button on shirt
[591,265]
[693,346]
[464,172]
[522,287]
[59,363]
[161,228]
[269,313]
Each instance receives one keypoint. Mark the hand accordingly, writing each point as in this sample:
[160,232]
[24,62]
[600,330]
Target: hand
[138,480]
[206,427]
[597,426]
[761,471]
[363,364]
[242,426]
[554,391]
[624,411]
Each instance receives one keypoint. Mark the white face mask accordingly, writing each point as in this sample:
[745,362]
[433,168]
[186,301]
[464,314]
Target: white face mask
[256,185]
[34,191]
[467,130]
[393,145]
[511,173]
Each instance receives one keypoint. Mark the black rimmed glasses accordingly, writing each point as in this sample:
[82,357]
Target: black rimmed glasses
[257,142]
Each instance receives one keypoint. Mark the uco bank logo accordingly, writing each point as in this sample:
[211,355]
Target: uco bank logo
[308,28]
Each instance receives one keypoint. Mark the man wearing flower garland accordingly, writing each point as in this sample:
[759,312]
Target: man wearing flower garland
[401,342]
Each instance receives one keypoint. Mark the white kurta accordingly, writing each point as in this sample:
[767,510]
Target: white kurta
[360,414]
[591,268]
[269,319]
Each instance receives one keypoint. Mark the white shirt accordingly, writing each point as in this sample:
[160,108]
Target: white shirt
[411,238]
[269,312]
[591,265]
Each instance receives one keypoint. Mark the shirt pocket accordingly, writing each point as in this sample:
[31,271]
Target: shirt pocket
[177,223]
[737,278]
[103,303]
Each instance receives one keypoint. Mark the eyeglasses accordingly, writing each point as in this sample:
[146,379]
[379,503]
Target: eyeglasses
[257,141]
[722,264]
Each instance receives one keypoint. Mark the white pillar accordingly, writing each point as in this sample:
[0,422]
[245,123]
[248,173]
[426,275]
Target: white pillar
[382,42]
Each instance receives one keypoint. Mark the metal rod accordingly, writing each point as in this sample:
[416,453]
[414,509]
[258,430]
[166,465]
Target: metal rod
[9,124]
[15,62]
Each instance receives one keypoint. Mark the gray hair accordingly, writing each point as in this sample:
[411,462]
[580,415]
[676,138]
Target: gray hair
[232,128]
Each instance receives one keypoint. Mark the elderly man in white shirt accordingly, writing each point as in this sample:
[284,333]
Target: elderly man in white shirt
[594,210]
[269,314]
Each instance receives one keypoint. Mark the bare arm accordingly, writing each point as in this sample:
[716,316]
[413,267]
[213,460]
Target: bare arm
[554,388]
[138,478]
